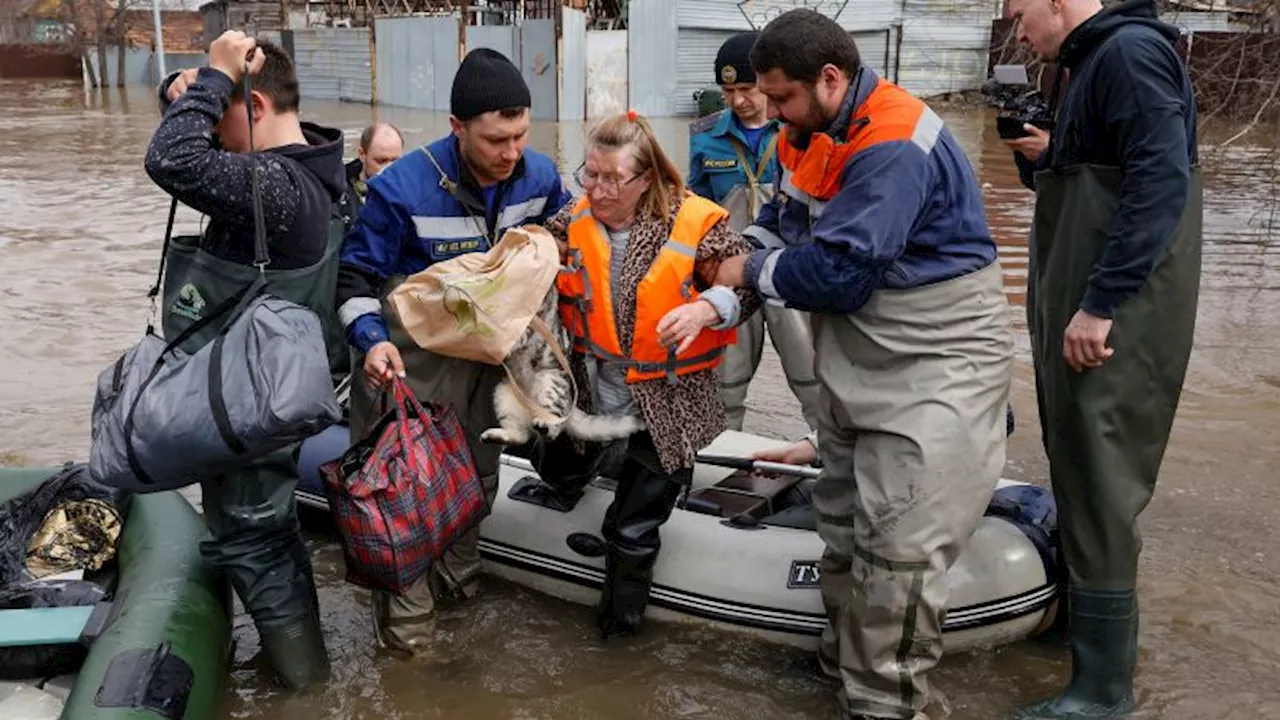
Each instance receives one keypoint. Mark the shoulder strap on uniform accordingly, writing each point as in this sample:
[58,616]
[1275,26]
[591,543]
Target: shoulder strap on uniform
[706,122]
[448,185]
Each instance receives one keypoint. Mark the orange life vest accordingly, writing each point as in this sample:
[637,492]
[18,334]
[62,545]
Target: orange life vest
[586,298]
[888,114]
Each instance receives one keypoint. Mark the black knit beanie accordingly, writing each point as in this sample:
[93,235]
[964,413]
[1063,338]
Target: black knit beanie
[733,62]
[487,81]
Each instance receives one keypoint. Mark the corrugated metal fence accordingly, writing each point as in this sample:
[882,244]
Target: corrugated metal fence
[929,46]
[944,45]
[140,66]
[573,65]
[334,63]
[685,36]
[417,59]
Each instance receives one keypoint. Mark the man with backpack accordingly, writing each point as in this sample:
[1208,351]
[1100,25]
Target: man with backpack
[456,195]
[204,155]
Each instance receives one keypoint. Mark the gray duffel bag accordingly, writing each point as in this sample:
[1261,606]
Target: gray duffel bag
[163,419]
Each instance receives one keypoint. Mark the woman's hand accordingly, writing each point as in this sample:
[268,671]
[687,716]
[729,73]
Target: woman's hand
[683,324]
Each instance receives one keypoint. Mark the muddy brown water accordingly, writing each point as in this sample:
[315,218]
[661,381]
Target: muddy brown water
[79,239]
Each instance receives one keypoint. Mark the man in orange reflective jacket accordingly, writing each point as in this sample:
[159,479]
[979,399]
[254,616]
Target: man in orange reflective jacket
[878,231]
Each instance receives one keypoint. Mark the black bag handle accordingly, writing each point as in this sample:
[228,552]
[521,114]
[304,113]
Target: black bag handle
[260,257]
[164,255]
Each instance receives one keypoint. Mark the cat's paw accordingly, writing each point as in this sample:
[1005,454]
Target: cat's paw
[499,436]
[632,422]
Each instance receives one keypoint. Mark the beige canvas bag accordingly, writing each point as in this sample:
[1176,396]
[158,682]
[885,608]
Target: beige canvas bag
[476,305]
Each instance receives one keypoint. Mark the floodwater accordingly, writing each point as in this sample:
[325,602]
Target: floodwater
[80,237]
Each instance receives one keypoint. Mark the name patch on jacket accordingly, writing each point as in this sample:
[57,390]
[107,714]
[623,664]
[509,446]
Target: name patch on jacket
[456,247]
[719,164]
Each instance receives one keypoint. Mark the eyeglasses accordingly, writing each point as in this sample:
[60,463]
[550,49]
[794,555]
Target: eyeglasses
[610,186]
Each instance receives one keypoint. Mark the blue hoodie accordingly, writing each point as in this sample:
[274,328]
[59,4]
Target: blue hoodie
[1128,104]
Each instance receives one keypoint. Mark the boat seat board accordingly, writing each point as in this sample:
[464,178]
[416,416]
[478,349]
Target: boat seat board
[733,443]
[741,493]
[43,626]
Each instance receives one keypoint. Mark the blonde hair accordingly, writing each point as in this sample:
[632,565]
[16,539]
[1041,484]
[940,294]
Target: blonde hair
[632,132]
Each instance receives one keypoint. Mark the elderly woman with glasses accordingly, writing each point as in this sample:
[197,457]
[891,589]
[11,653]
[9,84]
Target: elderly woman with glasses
[648,329]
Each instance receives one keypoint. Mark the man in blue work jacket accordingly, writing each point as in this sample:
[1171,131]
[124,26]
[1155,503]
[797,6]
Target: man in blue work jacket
[456,195]
[732,160]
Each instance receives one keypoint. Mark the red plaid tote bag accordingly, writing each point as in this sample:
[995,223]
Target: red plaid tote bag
[401,495]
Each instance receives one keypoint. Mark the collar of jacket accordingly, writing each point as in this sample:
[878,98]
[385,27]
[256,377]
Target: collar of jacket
[355,168]
[727,125]
[864,83]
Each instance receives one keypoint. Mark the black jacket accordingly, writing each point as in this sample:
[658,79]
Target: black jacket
[348,207]
[299,183]
[1129,104]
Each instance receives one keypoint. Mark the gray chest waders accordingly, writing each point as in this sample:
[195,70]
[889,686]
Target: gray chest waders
[912,441]
[789,329]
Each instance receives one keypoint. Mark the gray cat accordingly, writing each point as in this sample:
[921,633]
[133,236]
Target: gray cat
[533,366]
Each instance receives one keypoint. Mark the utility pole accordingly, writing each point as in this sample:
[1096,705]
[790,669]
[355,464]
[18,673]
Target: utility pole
[155,11]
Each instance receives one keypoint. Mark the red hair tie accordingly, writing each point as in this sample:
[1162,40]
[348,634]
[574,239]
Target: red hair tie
[632,115]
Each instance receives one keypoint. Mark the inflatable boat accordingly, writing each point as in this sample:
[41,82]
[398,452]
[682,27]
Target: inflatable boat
[159,644]
[740,551]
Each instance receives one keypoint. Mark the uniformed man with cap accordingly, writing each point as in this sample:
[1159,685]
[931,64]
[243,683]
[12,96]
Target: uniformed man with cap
[732,161]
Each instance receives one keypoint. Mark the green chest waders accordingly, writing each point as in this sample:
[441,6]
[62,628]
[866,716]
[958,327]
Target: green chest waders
[1105,429]
[251,514]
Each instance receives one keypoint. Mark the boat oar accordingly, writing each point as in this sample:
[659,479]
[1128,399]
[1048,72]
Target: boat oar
[741,463]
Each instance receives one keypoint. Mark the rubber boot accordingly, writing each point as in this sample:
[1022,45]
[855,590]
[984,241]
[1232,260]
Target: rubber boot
[642,503]
[252,519]
[297,652]
[626,592]
[564,470]
[1103,638]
